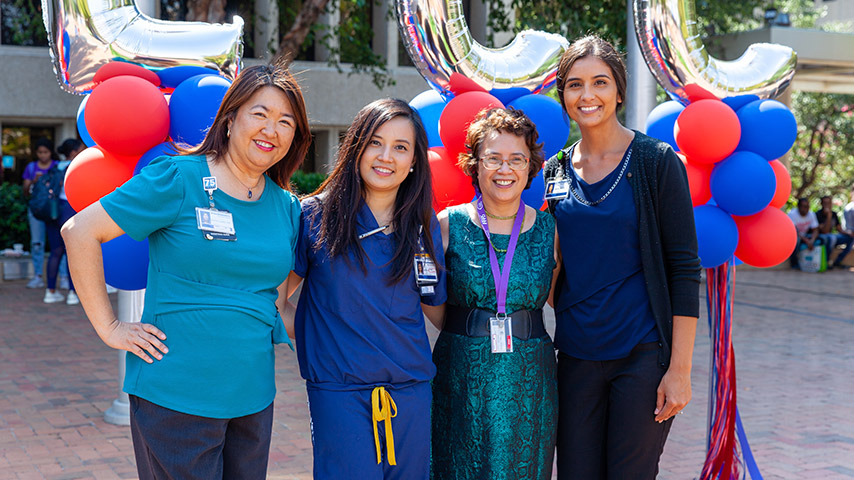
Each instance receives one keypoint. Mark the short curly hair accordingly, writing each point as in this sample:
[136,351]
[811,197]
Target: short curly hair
[501,120]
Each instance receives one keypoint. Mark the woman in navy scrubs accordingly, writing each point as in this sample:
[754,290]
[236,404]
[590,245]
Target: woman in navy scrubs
[370,253]
[627,304]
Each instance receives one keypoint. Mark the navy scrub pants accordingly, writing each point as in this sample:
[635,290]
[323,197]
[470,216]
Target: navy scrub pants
[606,425]
[343,434]
[174,445]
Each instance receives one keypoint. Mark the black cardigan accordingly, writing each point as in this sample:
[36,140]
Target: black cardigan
[668,239]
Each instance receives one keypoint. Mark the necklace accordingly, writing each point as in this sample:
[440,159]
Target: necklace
[499,250]
[248,188]
[616,181]
[499,217]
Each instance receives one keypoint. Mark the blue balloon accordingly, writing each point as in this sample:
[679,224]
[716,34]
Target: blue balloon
[743,183]
[173,76]
[533,195]
[126,263]
[429,105]
[739,101]
[768,128]
[661,120]
[193,107]
[547,114]
[159,150]
[81,124]
[717,235]
[508,95]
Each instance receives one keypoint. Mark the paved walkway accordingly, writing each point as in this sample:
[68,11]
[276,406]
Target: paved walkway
[794,343]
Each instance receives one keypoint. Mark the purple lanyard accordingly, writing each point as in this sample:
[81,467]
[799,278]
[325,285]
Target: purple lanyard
[501,276]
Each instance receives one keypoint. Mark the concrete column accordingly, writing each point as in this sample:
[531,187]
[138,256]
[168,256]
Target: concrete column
[786,98]
[330,20]
[148,7]
[326,144]
[641,85]
[385,33]
[130,310]
[477,21]
[266,28]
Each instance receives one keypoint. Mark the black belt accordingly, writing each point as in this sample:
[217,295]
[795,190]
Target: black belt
[474,322]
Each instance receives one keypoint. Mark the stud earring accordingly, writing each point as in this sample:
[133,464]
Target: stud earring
[228,132]
[411,169]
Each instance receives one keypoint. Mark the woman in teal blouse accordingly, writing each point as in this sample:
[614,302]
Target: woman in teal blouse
[222,231]
[494,410]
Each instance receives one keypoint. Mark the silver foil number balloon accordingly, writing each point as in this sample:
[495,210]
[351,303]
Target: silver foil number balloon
[438,39]
[87,34]
[669,38]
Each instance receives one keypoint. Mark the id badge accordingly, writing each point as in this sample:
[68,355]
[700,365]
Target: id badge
[215,224]
[425,270]
[557,189]
[501,334]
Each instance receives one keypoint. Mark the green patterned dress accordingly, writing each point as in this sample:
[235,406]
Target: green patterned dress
[495,415]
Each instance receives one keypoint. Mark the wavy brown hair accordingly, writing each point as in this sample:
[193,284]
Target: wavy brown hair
[344,191]
[592,46]
[501,120]
[245,85]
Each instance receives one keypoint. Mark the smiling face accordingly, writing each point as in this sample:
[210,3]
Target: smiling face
[504,184]
[262,129]
[590,93]
[389,155]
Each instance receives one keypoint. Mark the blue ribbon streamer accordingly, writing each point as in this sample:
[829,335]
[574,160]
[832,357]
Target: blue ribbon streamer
[749,461]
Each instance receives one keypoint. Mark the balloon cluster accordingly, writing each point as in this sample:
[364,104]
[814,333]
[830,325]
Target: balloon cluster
[126,122]
[730,149]
[447,123]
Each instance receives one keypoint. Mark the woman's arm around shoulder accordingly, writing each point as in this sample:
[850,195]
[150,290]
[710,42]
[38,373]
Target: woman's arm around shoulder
[83,234]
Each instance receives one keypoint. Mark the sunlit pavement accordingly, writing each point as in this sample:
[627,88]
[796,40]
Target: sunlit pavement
[794,345]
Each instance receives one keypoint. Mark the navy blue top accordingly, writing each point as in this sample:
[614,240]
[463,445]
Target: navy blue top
[354,330]
[602,309]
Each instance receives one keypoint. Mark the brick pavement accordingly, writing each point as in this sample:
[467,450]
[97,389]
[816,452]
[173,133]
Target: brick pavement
[793,336]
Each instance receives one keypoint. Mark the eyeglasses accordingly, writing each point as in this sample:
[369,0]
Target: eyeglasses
[494,162]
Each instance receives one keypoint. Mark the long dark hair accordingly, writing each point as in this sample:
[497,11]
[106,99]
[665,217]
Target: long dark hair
[343,191]
[245,85]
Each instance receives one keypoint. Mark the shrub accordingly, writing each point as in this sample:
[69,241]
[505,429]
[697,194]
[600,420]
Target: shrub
[306,182]
[13,216]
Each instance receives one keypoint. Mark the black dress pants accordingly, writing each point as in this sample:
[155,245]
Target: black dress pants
[606,425]
[174,445]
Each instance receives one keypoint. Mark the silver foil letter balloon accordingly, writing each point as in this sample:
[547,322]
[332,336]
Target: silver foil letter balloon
[87,34]
[670,40]
[438,39]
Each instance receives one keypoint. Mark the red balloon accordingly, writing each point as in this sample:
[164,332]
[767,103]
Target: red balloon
[458,115]
[127,116]
[707,131]
[115,69]
[459,84]
[784,184]
[699,175]
[766,238]
[94,173]
[450,185]
[695,93]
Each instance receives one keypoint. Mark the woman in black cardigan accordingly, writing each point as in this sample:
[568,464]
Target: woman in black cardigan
[627,299]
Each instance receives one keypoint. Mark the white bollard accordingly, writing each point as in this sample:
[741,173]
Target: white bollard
[130,310]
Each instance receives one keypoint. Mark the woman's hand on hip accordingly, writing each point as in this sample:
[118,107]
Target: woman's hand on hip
[140,339]
[674,393]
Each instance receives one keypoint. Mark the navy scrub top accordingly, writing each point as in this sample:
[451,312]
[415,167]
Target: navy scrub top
[602,310]
[353,329]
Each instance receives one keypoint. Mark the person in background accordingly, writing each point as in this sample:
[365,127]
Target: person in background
[361,340]
[69,148]
[201,368]
[832,232]
[45,159]
[848,214]
[476,383]
[627,301]
[806,224]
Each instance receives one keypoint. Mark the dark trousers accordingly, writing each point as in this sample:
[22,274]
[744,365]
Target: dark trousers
[606,424]
[57,245]
[174,445]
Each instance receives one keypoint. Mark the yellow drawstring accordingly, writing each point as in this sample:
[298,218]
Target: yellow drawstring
[382,405]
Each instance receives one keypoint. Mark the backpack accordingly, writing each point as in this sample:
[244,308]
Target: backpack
[44,197]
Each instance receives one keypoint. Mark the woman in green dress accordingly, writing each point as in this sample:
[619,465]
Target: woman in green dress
[495,391]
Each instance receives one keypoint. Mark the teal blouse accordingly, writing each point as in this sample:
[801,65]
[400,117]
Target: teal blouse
[214,300]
